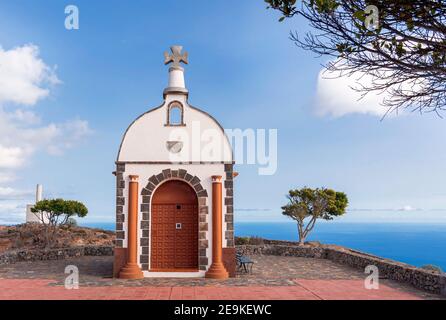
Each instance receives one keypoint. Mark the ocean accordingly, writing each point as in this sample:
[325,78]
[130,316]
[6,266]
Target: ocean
[415,244]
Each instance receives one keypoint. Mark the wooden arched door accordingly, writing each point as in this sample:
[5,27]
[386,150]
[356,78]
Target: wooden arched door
[174,228]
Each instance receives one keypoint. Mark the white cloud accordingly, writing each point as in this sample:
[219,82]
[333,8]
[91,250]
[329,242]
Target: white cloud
[335,96]
[12,157]
[8,193]
[12,212]
[24,80]
[6,177]
[23,74]
[19,140]
[67,135]
[25,116]
[407,208]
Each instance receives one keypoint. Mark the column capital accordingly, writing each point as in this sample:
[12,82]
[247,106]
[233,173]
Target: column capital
[133,178]
[216,179]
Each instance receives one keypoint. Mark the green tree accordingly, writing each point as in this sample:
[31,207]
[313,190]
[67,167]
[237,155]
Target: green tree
[401,44]
[54,213]
[307,205]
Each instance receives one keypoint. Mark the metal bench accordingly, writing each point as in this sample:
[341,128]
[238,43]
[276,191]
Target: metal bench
[244,263]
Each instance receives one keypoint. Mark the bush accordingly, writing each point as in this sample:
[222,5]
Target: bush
[241,241]
[33,236]
[55,213]
[254,240]
[71,222]
[432,267]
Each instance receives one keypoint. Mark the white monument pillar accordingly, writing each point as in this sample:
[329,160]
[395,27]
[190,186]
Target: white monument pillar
[39,193]
[31,216]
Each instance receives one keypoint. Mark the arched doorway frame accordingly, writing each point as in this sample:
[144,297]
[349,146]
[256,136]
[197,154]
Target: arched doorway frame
[174,201]
[156,181]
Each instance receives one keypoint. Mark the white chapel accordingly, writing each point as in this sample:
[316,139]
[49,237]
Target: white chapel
[174,190]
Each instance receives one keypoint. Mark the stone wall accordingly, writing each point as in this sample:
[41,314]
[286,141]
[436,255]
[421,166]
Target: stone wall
[120,202]
[422,279]
[4,245]
[229,203]
[11,257]
[283,250]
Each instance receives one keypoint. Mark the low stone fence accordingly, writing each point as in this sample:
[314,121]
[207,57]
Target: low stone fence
[427,280]
[11,257]
[283,250]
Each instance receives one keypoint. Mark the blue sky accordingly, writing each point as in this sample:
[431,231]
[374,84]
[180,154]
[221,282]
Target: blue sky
[243,70]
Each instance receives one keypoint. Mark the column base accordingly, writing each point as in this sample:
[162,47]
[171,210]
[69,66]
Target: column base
[131,271]
[217,271]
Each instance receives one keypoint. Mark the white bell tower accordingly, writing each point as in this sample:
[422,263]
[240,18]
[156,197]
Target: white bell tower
[176,71]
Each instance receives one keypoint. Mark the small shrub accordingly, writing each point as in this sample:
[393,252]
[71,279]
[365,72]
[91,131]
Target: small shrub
[432,267]
[55,213]
[18,242]
[71,222]
[255,240]
[240,241]
[82,232]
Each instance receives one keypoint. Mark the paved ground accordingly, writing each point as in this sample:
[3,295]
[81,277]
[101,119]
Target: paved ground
[273,278]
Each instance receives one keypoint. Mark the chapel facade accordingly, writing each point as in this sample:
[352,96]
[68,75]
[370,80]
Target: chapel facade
[174,190]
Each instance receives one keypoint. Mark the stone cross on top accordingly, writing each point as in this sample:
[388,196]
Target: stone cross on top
[176,57]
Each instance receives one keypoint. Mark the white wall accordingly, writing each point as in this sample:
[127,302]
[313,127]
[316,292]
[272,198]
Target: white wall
[32,217]
[145,140]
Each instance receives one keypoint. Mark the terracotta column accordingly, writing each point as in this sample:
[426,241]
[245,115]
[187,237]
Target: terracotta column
[131,270]
[217,269]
